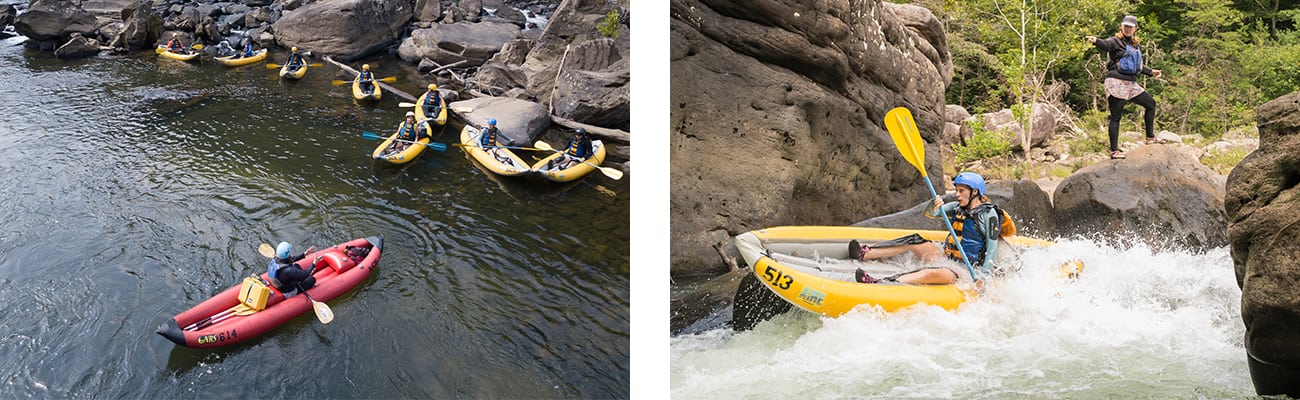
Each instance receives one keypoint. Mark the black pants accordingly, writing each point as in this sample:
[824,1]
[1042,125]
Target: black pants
[1117,111]
[292,276]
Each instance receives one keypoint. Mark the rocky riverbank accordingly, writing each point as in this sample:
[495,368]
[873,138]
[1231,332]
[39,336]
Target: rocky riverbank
[565,61]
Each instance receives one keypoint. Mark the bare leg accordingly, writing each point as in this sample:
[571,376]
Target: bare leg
[930,276]
[926,252]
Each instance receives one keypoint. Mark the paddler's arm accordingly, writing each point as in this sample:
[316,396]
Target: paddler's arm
[939,208]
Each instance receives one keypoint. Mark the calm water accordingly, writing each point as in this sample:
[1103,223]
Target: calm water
[135,188]
[1137,325]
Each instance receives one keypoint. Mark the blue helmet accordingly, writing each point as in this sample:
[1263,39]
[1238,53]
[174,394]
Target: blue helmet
[282,251]
[492,121]
[971,180]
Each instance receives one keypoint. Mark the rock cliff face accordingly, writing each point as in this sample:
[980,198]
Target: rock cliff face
[776,115]
[349,29]
[1261,203]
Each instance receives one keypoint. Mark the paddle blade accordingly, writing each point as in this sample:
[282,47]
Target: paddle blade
[315,65]
[405,105]
[389,79]
[159,50]
[266,250]
[337,82]
[323,311]
[197,46]
[543,146]
[272,66]
[902,128]
[438,146]
[370,135]
[611,173]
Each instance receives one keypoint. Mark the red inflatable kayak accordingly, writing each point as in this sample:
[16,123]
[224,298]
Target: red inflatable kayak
[223,320]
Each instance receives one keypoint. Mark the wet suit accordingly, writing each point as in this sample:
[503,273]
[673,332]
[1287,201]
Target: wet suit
[287,277]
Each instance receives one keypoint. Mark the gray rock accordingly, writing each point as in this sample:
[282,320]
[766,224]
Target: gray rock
[777,116]
[348,29]
[955,114]
[237,9]
[1043,125]
[54,20]
[428,10]
[1260,203]
[257,16]
[77,47]
[594,85]
[234,21]
[520,121]
[7,13]
[446,44]
[511,15]
[107,7]
[1161,196]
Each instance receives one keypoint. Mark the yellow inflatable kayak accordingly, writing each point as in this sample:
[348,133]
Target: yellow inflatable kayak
[441,118]
[162,51]
[509,164]
[785,260]
[231,61]
[295,74]
[406,155]
[577,170]
[360,95]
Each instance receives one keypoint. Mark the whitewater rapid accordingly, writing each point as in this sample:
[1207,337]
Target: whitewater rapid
[1137,324]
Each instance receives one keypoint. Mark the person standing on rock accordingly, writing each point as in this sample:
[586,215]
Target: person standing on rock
[978,224]
[1123,65]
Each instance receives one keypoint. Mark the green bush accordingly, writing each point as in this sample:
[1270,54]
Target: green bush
[982,144]
[609,28]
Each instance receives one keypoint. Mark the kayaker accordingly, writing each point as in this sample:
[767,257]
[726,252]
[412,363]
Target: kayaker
[295,59]
[488,140]
[407,131]
[432,101]
[285,275]
[1123,65]
[224,49]
[176,45]
[577,151]
[978,225]
[367,79]
[248,48]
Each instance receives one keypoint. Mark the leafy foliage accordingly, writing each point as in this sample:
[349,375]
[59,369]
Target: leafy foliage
[609,27]
[982,144]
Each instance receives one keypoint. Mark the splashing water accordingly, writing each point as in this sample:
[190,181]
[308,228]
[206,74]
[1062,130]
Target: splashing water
[1137,324]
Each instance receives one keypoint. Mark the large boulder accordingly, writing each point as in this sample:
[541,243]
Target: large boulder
[1160,196]
[446,44]
[594,85]
[54,20]
[7,13]
[77,47]
[1024,200]
[520,121]
[347,29]
[428,10]
[142,27]
[1261,202]
[108,7]
[777,116]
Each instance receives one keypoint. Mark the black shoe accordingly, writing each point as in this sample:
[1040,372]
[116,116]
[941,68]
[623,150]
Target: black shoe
[856,250]
[862,277]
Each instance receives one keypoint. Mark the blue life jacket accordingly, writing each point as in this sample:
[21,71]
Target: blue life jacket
[1131,62]
[248,49]
[488,137]
[406,132]
[273,270]
[295,60]
[972,240]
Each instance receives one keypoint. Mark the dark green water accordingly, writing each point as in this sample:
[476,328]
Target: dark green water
[135,188]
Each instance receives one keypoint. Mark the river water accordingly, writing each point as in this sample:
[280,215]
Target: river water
[136,187]
[1137,325]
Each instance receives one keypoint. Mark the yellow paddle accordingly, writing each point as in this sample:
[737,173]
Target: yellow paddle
[323,311]
[387,79]
[277,66]
[902,128]
[610,172]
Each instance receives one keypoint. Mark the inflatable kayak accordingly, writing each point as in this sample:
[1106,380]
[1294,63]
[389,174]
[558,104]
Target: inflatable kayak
[786,260]
[407,154]
[441,118]
[358,94]
[162,51]
[224,320]
[231,61]
[575,171]
[509,164]
[296,73]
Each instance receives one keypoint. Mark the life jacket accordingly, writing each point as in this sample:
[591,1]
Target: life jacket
[972,240]
[1131,62]
[248,50]
[366,76]
[175,45]
[489,136]
[579,148]
[406,131]
[294,60]
[273,270]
